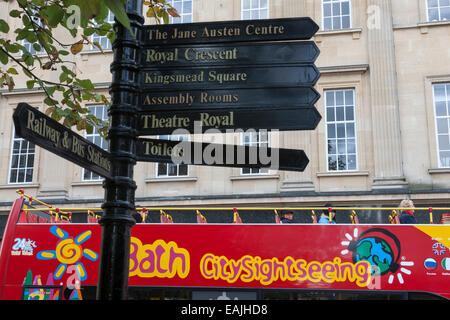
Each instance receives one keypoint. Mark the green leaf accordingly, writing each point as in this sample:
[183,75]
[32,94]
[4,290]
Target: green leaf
[117,7]
[28,59]
[50,102]
[12,71]
[66,70]
[4,27]
[166,17]
[12,47]
[37,47]
[50,90]
[55,15]
[88,31]
[86,84]
[3,57]
[15,13]
[89,8]
[30,84]
[63,77]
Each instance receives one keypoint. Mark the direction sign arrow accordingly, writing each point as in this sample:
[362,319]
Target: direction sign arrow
[153,100]
[230,31]
[231,54]
[38,128]
[222,155]
[230,77]
[160,123]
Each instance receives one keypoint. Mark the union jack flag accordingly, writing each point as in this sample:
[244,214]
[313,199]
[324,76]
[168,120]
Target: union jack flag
[439,249]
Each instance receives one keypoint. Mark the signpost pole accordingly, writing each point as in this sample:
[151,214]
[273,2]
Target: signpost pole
[118,206]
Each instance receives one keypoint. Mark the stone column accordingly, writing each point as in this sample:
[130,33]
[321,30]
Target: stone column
[299,140]
[384,97]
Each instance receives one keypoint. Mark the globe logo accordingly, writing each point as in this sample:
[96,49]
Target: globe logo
[381,248]
[376,251]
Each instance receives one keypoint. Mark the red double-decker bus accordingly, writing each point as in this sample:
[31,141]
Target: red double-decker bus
[46,256]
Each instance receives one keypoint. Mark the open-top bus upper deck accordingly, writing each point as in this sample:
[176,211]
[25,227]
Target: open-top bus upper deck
[44,255]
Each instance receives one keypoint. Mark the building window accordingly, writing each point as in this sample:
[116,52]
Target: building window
[438,10]
[341,130]
[254,9]
[170,169]
[101,112]
[22,161]
[441,94]
[103,40]
[252,139]
[184,9]
[336,14]
[34,48]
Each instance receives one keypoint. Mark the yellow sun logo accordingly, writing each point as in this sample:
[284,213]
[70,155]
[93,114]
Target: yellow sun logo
[69,251]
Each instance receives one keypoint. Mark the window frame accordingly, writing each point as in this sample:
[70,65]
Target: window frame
[259,8]
[171,137]
[109,19]
[14,138]
[27,44]
[436,132]
[340,16]
[94,134]
[172,20]
[346,138]
[439,12]
[261,171]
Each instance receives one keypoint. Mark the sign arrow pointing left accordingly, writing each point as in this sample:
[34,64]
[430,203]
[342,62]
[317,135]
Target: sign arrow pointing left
[40,129]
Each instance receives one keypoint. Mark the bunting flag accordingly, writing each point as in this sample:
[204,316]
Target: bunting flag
[92,217]
[277,217]
[354,217]
[23,218]
[313,217]
[165,218]
[143,214]
[236,218]
[201,218]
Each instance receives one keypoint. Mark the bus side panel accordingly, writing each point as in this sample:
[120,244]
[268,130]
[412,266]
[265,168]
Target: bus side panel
[333,257]
[7,242]
[64,255]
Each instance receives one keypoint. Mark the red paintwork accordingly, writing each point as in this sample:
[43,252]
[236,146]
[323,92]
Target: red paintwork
[315,244]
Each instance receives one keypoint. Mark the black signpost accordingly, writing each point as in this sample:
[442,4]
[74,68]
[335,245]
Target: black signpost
[208,99]
[215,75]
[231,31]
[226,120]
[38,128]
[220,155]
[283,53]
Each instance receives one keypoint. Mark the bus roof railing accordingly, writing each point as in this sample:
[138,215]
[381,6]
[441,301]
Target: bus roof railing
[65,214]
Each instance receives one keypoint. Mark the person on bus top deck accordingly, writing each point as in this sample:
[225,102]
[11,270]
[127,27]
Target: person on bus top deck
[287,217]
[137,217]
[325,216]
[407,216]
